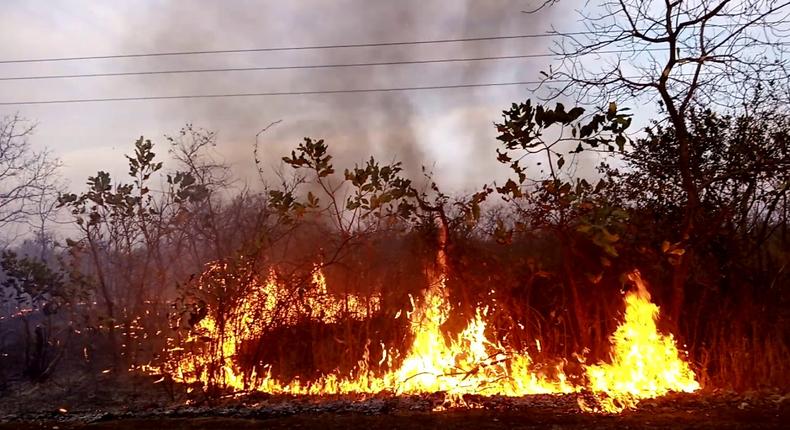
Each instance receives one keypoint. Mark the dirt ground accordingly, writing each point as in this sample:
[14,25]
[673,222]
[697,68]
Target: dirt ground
[467,419]
[112,404]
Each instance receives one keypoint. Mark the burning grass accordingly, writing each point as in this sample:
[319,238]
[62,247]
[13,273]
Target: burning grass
[643,363]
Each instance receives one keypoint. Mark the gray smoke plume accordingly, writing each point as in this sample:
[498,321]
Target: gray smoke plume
[449,128]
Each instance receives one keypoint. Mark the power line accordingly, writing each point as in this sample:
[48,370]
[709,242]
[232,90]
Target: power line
[336,46]
[290,93]
[317,66]
[286,48]
[249,69]
[271,94]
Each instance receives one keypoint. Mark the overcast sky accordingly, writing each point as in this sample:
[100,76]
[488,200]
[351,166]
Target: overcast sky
[449,129]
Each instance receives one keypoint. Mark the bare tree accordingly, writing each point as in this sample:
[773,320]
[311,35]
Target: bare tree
[684,54]
[27,177]
[192,149]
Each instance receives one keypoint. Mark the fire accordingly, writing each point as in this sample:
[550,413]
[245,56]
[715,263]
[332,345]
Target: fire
[220,342]
[644,363]
[470,364]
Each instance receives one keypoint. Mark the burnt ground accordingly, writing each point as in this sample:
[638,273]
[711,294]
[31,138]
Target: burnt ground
[110,403]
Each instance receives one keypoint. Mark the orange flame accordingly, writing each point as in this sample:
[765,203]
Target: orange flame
[470,364]
[644,363]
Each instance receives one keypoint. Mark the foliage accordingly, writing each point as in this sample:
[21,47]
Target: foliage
[546,257]
[36,284]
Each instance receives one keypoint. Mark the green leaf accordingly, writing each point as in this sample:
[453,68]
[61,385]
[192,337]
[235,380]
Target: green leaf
[620,141]
[612,111]
[575,113]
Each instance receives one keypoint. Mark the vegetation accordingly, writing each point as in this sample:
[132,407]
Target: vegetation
[545,250]
[698,202]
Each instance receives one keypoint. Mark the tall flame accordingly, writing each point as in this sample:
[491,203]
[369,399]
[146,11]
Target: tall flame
[470,364]
[644,363]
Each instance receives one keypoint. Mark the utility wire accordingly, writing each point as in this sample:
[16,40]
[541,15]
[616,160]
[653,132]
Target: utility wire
[319,66]
[249,69]
[269,94]
[334,46]
[287,93]
[284,48]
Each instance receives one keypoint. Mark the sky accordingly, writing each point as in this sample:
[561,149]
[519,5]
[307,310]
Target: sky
[450,131]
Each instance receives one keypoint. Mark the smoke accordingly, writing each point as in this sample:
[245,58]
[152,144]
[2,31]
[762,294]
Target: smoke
[450,129]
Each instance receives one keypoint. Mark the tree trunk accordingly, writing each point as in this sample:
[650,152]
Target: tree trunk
[680,274]
[108,302]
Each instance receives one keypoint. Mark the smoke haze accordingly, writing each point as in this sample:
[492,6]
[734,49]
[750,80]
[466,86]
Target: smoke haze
[450,131]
